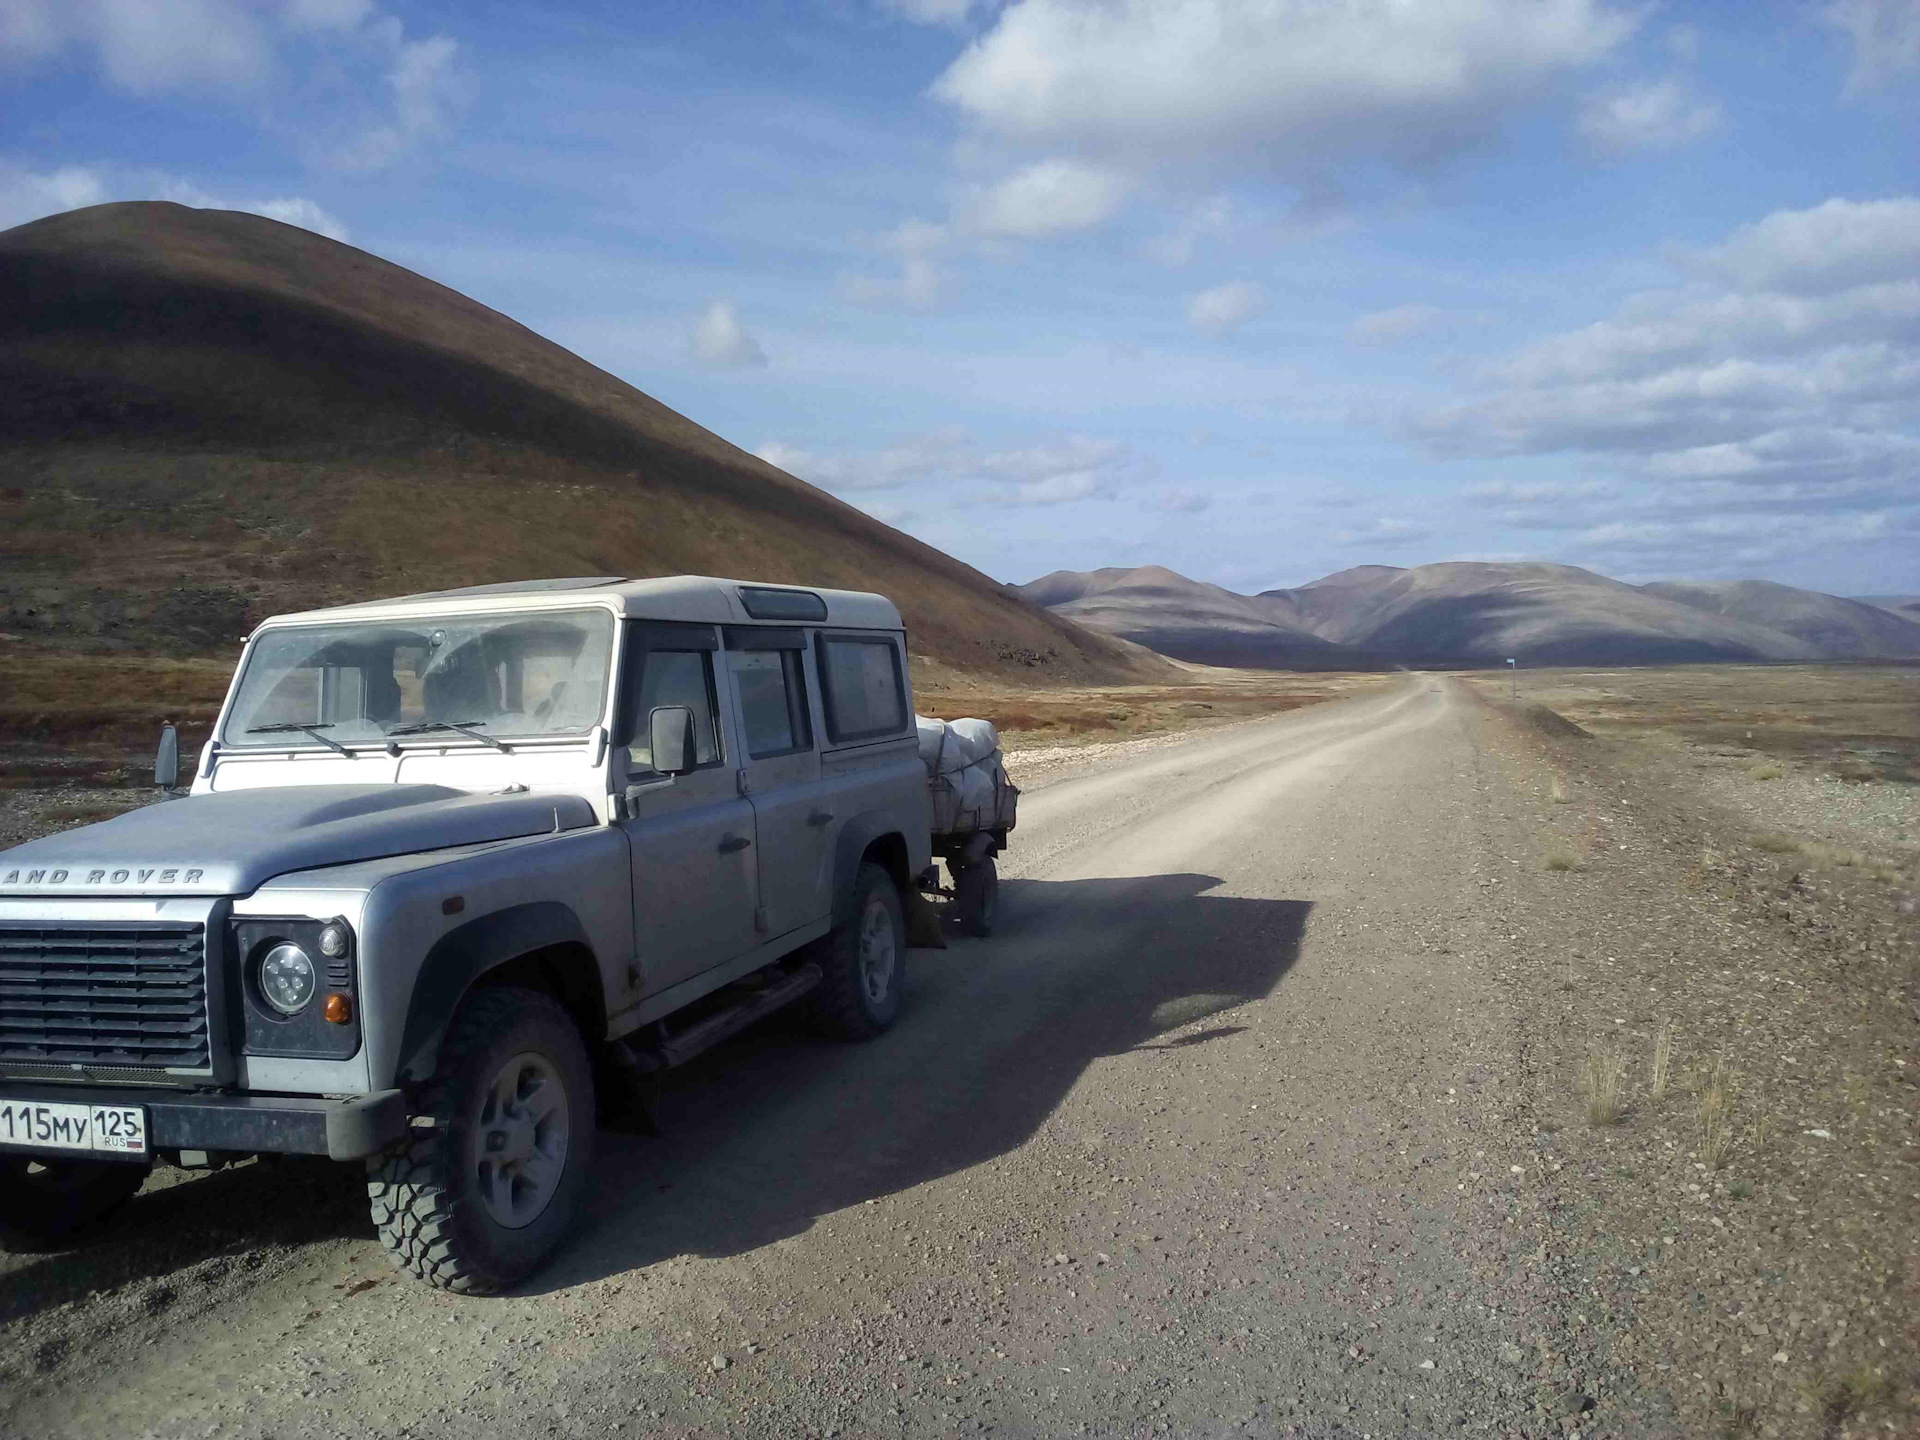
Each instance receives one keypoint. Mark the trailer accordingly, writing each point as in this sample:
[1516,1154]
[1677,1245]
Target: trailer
[973,805]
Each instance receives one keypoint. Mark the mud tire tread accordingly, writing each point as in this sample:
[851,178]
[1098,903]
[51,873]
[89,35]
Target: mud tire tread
[414,1209]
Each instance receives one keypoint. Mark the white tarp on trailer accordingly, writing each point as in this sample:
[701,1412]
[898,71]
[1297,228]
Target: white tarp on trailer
[965,774]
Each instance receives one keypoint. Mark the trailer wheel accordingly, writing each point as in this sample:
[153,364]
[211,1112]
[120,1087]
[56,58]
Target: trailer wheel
[482,1194]
[976,897]
[45,1201]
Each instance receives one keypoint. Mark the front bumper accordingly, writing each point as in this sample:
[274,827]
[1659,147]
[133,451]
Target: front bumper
[348,1129]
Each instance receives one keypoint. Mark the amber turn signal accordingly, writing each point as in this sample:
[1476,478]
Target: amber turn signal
[339,1009]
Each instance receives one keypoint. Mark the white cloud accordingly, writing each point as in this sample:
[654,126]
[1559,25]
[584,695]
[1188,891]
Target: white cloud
[1387,530]
[327,14]
[929,12]
[1183,500]
[1225,307]
[1790,392]
[146,47]
[718,338]
[1049,197]
[1402,322]
[915,242]
[1886,39]
[1294,84]
[1653,115]
[1835,245]
[1206,221]
[26,196]
[1053,472]
[940,454]
[339,76]
[423,87]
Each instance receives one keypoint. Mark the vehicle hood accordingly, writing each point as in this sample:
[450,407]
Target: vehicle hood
[232,843]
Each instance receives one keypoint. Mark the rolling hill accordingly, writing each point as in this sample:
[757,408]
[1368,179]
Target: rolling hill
[206,417]
[1190,620]
[1474,613]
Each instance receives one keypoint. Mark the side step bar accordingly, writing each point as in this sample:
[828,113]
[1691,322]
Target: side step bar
[679,1047]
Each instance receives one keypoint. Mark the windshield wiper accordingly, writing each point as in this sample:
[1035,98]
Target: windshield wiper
[313,730]
[465,727]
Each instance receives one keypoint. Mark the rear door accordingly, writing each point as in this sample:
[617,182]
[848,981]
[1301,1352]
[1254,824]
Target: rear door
[695,877]
[793,815]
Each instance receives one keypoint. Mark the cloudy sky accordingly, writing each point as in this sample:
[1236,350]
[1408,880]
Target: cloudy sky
[1255,289]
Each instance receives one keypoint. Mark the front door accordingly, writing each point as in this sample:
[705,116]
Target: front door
[793,815]
[695,882]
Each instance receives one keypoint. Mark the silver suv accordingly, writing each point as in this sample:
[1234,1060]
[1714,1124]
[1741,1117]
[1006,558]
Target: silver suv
[455,873]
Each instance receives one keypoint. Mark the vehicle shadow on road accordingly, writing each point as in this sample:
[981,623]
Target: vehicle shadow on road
[769,1133]
[239,1216]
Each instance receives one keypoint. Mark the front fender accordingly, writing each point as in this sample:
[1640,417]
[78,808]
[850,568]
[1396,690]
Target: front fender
[462,956]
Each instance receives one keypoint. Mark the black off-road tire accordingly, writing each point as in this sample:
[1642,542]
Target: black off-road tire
[45,1201]
[844,1004]
[423,1192]
[976,897]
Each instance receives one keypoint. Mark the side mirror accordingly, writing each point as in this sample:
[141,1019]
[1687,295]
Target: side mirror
[166,763]
[671,738]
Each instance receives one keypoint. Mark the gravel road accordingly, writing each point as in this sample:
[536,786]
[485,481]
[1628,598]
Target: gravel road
[1219,1134]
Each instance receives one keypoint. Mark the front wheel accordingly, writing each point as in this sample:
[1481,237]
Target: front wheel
[479,1196]
[46,1201]
[865,962]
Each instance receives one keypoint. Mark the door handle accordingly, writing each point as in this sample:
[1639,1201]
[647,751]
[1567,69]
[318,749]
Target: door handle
[734,842]
[820,817]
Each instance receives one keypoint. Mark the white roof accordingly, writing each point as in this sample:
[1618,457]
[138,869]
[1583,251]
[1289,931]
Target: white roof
[702,599]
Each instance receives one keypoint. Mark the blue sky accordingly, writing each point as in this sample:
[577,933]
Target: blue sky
[1254,289]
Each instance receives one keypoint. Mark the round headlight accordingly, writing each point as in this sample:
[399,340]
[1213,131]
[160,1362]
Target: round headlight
[286,978]
[333,940]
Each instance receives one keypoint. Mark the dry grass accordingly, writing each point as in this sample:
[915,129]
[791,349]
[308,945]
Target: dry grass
[1662,1063]
[1776,844]
[1560,856]
[1715,1110]
[83,814]
[1838,1396]
[1766,770]
[1600,1083]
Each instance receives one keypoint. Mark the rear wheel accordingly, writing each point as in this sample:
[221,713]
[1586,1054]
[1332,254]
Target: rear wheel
[481,1196]
[976,896]
[44,1201]
[865,962]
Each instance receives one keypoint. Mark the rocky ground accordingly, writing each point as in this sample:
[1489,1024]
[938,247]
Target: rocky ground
[1264,1113]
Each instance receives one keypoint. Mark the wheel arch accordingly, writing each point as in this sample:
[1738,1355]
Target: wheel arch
[867,840]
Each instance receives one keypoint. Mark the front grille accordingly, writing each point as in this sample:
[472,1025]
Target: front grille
[118,995]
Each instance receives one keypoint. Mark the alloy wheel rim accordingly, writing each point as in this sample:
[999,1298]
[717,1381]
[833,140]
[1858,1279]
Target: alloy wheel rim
[876,952]
[520,1135]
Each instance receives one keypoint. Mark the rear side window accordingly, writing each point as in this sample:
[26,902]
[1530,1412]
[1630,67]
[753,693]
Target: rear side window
[772,688]
[864,694]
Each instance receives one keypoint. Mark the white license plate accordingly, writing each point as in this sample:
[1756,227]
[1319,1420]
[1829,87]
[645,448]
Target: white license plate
[47,1125]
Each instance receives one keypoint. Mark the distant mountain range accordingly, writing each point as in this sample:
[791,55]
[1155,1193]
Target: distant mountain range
[1477,613]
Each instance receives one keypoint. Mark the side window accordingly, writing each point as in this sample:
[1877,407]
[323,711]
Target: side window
[772,688]
[675,677]
[864,696]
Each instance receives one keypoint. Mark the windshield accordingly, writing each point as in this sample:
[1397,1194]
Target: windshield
[500,676]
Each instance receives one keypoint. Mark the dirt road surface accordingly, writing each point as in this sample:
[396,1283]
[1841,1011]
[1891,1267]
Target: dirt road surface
[1224,1132]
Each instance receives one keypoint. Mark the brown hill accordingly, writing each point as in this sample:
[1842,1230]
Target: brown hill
[1191,620]
[206,417]
[1463,613]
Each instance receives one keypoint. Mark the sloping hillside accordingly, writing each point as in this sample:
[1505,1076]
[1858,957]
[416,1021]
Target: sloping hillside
[1471,613]
[206,417]
[1190,620]
[1841,629]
